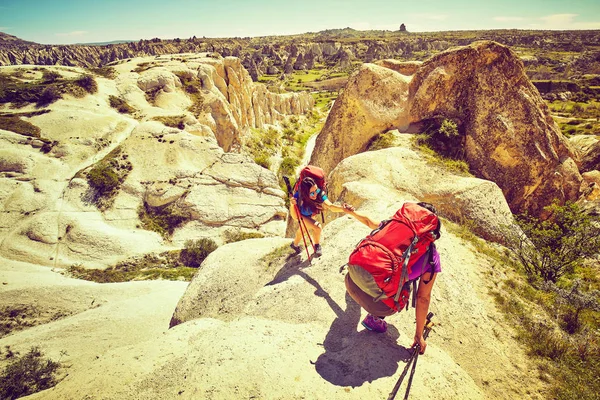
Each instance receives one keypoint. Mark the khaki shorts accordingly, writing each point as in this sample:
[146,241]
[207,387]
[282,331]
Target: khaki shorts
[376,308]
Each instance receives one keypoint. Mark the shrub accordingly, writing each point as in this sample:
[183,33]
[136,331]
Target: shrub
[28,374]
[48,96]
[289,165]
[263,159]
[165,265]
[17,125]
[548,249]
[574,301]
[195,251]
[88,83]
[238,236]
[444,137]
[103,179]
[50,76]
[382,141]
[165,219]
[120,105]
[106,72]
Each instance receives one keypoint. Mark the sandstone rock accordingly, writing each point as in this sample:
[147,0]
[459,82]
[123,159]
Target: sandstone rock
[588,147]
[591,190]
[511,138]
[399,174]
[405,68]
[234,283]
[373,101]
[158,78]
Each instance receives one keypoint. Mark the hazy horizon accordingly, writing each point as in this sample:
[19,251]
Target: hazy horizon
[65,22]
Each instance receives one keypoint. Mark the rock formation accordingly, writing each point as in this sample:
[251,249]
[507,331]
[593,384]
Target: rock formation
[48,216]
[511,139]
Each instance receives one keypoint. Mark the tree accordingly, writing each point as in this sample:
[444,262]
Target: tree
[576,302]
[548,249]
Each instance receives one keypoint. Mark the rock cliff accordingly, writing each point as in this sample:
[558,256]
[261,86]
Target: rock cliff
[510,137]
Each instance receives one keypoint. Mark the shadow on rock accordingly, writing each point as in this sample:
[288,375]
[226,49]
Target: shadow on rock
[352,358]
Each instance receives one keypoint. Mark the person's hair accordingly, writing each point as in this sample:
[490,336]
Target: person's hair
[431,208]
[304,196]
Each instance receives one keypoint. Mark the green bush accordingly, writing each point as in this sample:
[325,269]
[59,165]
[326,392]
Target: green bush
[28,374]
[548,249]
[195,251]
[165,265]
[382,141]
[103,179]
[238,236]
[163,220]
[48,96]
[120,105]
[88,83]
[444,137]
[50,76]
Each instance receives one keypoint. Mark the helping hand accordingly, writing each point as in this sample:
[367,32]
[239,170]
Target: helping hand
[348,207]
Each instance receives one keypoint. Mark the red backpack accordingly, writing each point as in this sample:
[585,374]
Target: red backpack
[316,173]
[381,262]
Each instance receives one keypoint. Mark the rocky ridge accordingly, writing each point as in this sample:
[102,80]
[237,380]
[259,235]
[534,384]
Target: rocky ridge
[46,201]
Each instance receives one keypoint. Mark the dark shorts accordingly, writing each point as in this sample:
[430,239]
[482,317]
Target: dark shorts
[376,308]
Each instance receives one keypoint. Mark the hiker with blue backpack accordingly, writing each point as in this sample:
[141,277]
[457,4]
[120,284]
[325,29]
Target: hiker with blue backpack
[308,200]
[397,254]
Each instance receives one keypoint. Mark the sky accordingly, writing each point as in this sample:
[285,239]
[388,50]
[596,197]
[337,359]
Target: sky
[91,21]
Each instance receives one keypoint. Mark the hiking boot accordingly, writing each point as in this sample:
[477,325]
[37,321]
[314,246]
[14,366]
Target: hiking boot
[318,250]
[374,324]
[296,248]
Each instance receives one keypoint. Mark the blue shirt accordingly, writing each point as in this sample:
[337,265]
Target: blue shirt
[306,209]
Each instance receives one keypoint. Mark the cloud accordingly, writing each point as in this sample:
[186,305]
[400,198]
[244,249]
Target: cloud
[74,33]
[559,18]
[564,22]
[508,19]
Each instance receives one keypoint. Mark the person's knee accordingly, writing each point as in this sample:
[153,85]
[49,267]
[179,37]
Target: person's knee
[317,226]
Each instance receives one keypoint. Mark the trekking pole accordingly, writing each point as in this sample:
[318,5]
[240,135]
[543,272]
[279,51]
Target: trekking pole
[413,360]
[300,219]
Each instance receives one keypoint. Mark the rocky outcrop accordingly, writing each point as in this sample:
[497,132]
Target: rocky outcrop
[374,100]
[248,284]
[588,147]
[46,203]
[400,174]
[511,139]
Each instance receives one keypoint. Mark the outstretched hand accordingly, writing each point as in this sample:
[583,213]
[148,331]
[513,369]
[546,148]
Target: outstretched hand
[348,207]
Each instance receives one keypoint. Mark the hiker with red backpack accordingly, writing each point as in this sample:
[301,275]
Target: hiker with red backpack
[309,199]
[385,264]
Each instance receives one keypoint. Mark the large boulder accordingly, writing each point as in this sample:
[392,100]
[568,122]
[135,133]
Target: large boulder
[511,139]
[374,100]
[588,147]
[400,174]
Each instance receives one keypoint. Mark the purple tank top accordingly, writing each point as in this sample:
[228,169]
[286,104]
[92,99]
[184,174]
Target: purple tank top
[422,266]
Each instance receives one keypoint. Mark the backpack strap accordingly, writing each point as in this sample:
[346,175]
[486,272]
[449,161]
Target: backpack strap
[431,263]
[404,273]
